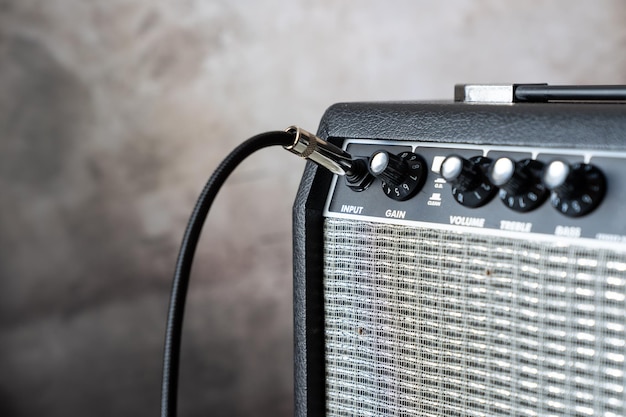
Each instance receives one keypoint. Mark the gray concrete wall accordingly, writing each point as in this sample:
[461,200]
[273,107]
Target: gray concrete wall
[114,113]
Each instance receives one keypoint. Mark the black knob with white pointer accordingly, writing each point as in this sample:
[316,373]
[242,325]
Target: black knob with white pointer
[521,187]
[576,189]
[402,175]
[470,185]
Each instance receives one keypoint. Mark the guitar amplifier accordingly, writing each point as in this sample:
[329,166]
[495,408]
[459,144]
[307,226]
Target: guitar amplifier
[480,270]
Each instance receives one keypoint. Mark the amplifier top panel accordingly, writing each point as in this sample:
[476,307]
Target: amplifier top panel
[546,193]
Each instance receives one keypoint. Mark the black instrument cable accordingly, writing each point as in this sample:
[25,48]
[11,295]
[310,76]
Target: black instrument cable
[178,295]
[294,139]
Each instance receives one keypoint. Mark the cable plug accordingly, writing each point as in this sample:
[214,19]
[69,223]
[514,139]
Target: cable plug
[336,160]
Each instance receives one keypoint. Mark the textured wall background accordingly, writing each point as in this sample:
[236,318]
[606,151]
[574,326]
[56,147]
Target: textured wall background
[114,113]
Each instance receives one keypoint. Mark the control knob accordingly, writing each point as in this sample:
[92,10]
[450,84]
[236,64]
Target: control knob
[521,188]
[470,185]
[576,189]
[402,175]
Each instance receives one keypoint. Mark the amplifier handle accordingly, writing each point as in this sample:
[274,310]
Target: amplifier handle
[545,93]
[538,93]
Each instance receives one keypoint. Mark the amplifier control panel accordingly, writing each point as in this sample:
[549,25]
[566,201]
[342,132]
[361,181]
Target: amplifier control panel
[565,193]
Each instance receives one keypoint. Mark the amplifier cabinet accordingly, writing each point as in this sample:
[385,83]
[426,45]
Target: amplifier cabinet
[490,289]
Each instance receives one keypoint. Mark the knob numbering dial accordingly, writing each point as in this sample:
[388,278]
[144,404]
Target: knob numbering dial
[577,189]
[470,185]
[402,175]
[521,188]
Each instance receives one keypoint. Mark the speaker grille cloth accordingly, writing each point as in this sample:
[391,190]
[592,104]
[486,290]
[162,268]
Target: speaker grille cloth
[426,322]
